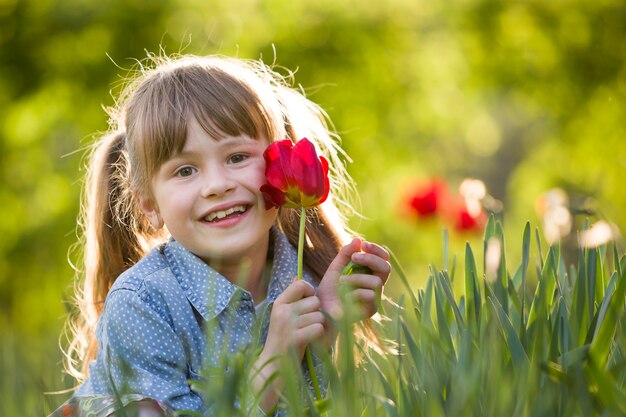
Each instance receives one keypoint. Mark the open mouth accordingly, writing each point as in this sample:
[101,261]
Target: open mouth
[216,216]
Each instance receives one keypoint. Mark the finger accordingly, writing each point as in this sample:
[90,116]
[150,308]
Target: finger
[369,282]
[379,266]
[363,295]
[306,305]
[366,299]
[375,249]
[310,333]
[295,291]
[308,319]
[344,255]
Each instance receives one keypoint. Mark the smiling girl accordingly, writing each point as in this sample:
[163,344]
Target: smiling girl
[177,239]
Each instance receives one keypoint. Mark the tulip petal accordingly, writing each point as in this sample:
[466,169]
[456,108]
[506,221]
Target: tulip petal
[296,175]
[324,163]
[277,164]
[307,169]
[273,196]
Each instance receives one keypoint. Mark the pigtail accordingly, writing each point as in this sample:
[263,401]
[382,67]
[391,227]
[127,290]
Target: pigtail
[114,237]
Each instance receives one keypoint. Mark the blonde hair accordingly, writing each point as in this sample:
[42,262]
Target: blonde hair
[148,125]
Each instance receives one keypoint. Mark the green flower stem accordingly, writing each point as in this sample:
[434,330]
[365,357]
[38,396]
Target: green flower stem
[309,358]
[301,241]
[316,384]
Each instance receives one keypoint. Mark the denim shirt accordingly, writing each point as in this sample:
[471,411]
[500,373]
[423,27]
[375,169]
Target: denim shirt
[152,333]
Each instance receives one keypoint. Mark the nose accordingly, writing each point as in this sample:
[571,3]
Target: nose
[217,181]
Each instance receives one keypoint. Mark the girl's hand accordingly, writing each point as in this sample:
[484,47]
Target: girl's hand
[366,288]
[295,322]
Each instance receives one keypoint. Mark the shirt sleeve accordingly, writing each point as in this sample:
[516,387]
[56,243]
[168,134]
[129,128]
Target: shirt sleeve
[141,352]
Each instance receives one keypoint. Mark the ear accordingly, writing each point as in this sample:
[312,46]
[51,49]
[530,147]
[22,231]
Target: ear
[150,209]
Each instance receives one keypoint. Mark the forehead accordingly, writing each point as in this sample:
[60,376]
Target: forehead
[198,137]
[223,105]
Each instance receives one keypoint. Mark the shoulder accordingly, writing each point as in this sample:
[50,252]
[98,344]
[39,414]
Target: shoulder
[149,268]
[149,284]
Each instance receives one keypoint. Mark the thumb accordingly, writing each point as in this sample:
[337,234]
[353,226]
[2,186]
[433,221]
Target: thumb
[345,255]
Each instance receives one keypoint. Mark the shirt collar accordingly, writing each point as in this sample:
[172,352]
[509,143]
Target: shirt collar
[210,293]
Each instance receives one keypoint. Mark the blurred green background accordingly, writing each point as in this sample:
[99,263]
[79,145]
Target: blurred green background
[526,96]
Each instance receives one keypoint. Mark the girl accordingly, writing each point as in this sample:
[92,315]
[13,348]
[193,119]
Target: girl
[177,238]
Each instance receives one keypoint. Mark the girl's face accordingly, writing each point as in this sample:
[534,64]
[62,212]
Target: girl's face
[209,199]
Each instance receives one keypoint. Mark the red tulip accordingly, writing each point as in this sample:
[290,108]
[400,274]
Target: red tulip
[296,175]
[428,197]
[466,216]
[298,178]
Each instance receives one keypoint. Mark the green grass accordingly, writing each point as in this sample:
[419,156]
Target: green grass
[542,338]
[505,348]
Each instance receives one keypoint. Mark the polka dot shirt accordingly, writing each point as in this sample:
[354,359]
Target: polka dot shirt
[152,333]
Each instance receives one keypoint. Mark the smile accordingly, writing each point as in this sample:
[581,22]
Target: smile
[222,214]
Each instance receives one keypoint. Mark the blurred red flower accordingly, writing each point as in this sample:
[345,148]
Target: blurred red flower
[466,215]
[296,175]
[428,197]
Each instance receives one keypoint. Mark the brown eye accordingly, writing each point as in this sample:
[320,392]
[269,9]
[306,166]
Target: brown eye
[185,172]
[237,158]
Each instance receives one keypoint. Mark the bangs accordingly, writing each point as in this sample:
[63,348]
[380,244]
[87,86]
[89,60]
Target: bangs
[223,101]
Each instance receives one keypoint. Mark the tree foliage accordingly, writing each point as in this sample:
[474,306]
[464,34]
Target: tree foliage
[523,95]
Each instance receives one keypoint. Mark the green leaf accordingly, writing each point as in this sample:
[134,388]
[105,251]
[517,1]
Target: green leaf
[601,278]
[539,252]
[591,278]
[490,230]
[502,271]
[472,292]
[523,270]
[544,291]
[580,308]
[445,283]
[603,338]
[575,356]
[354,268]
[555,371]
[618,267]
[610,392]
[442,322]
[565,336]
[538,325]
[427,306]
[516,350]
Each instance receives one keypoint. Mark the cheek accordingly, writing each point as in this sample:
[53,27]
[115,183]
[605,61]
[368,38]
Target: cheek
[175,203]
[270,216]
[256,175]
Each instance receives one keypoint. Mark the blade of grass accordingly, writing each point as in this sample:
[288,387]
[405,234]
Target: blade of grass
[580,309]
[490,230]
[445,283]
[503,280]
[516,350]
[442,321]
[600,278]
[539,251]
[472,293]
[590,257]
[599,349]
[544,291]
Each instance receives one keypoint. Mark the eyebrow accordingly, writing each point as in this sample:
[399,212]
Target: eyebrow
[237,140]
[225,142]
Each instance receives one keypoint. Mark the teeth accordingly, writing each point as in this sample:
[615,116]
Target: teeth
[220,214]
